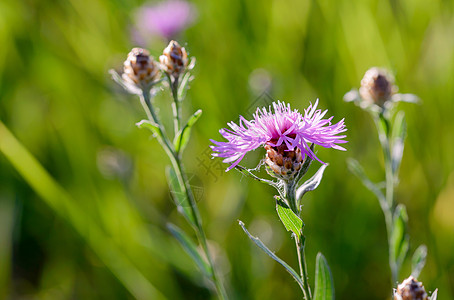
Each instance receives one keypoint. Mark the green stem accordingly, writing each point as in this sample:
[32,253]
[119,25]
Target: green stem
[389,195]
[176,105]
[177,165]
[290,195]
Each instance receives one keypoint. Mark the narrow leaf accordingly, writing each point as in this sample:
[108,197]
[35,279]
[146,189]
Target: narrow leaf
[397,140]
[434,295]
[383,126]
[182,138]
[399,237]
[290,220]
[324,288]
[190,248]
[179,195]
[147,124]
[357,169]
[262,246]
[418,260]
[312,183]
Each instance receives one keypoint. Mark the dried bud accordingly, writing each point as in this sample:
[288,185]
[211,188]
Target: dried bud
[377,86]
[174,59]
[285,164]
[141,69]
[410,289]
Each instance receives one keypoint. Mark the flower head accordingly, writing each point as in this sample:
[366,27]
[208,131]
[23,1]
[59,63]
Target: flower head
[140,69]
[167,18]
[377,86]
[410,289]
[174,59]
[279,129]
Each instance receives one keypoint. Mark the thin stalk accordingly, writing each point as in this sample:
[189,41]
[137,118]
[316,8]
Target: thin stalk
[176,104]
[389,195]
[177,165]
[290,194]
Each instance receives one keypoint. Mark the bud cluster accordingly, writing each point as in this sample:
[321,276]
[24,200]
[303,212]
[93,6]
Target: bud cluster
[141,71]
[285,164]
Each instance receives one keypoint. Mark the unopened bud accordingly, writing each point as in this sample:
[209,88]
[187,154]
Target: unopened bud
[174,59]
[377,86]
[141,69]
[285,164]
[410,289]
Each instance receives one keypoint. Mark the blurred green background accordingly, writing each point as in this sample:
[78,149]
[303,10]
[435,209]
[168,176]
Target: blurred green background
[106,238]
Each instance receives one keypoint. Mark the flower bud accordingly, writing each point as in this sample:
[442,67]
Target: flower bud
[410,289]
[174,59]
[377,86]
[285,164]
[141,69]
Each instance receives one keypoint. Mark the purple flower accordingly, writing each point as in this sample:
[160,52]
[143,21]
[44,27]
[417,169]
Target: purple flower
[166,18]
[278,127]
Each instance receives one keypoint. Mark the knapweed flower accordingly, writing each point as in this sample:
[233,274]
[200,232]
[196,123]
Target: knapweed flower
[174,59]
[285,133]
[410,289]
[140,69]
[165,19]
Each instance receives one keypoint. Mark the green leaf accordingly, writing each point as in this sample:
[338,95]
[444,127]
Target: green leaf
[147,124]
[179,195]
[397,140]
[190,248]
[290,220]
[312,183]
[383,126]
[182,138]
[399,237]
[418,260]
[358,171]
[324,288]
[262,246]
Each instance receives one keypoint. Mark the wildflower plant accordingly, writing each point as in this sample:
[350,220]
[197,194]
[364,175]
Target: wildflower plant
[289,138]
[143,76]
[378,96]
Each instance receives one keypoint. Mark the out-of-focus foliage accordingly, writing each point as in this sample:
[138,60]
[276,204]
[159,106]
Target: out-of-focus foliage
[57,98]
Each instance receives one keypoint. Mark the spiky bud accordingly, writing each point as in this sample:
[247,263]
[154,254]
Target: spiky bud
[174,59]
[377,86]
[141,69]
[410,289]
[284,164]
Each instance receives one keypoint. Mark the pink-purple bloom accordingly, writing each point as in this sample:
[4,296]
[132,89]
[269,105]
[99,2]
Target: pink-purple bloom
[277,126]
[167,18]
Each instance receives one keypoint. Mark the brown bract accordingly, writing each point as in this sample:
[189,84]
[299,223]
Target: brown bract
[285,164]
[174,59]
[410,289]
[377,86]
[140,68]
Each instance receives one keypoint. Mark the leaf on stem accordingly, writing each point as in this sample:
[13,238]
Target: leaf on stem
[262,246]
[290,220]
[324,288]
[383,126]
[179,195]
[358,171]
[152,126]
[311,184]
[398,134]
[190,248]
[399,241]
[418,260]
[182,138]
